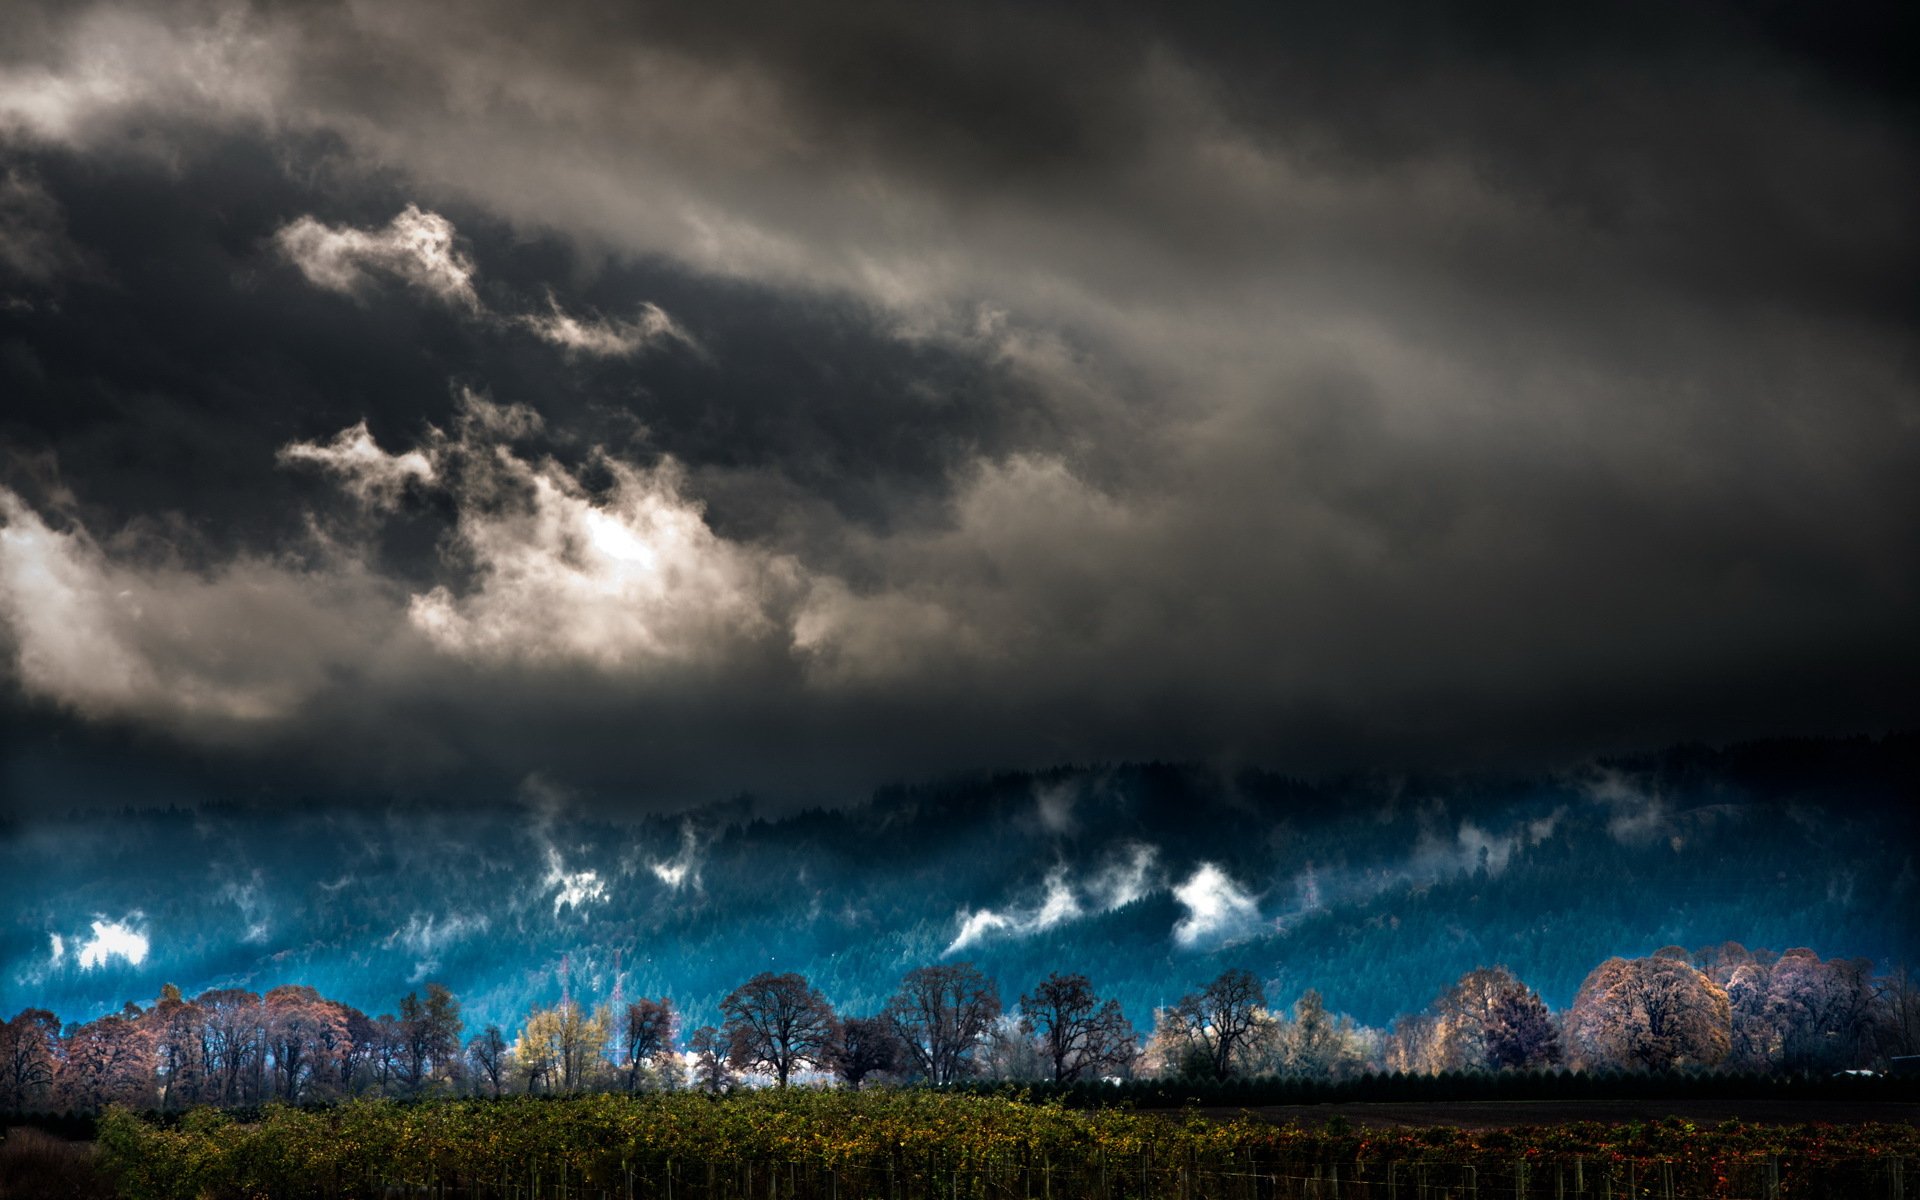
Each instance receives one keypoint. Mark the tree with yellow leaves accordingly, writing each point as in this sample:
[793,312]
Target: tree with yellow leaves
[561,1046]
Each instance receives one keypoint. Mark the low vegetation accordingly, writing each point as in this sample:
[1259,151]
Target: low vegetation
[810,1143]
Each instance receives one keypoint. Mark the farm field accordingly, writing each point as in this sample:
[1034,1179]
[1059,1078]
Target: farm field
[1501,1114]
[902,1144]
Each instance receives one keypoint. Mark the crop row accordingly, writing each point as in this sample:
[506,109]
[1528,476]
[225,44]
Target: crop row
[922,1143]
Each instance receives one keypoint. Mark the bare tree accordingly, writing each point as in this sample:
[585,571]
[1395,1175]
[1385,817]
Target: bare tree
[357,1057]
[648,1029]
[1078,1031]
[536,1054]
[233,1044]
[1219,1022]
[1463,1013]
[389,1051]
[1313,1042]
[940,1015]
[1900,994]
[489,1058]
[867,1046]
[710,1071]
[777,1023]
[1826,1014]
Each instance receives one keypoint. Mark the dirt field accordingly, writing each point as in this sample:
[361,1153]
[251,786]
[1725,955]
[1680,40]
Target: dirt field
[1498,1114]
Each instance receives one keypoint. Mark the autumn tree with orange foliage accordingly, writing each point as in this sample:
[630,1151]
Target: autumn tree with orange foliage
[1650,1014]
[29,1058]
[108,1061]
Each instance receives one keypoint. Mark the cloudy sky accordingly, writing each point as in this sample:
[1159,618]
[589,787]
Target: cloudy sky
[662,400]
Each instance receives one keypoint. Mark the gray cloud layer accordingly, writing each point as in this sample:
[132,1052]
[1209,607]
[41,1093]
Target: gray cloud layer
[693,397]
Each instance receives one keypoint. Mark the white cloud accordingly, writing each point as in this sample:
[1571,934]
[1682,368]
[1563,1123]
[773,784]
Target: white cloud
[1127,879]
[1637,815]
[250,899]
[244,642]
[57,949]
[114,939]
[430,931]
[481,418]
[1438,854]
[1057,905]
[624,577]
[1435,857]
[574,889]
[370,475]
[67,618]
[1118,884]
[683,869]
[1218,909]
[421,248]
[604,338]
[417,247]
[851,639]
[428,934]
[115,65]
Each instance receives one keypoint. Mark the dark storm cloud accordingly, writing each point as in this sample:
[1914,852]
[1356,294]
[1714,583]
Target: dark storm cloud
[796,396]
[171,387]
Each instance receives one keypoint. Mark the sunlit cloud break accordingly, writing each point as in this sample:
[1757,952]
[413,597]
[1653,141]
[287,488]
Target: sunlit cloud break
[114,939]
[633,573]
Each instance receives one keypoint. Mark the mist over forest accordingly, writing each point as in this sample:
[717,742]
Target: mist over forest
[1149,878]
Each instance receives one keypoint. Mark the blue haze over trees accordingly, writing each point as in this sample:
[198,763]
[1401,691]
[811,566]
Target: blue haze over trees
[1377,894]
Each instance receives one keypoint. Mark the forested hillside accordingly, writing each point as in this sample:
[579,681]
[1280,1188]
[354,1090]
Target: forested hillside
[1148,878]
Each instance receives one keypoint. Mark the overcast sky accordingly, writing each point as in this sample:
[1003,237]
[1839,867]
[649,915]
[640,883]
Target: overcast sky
[657,401]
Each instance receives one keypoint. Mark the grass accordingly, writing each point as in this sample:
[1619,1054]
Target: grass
[39,1166]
